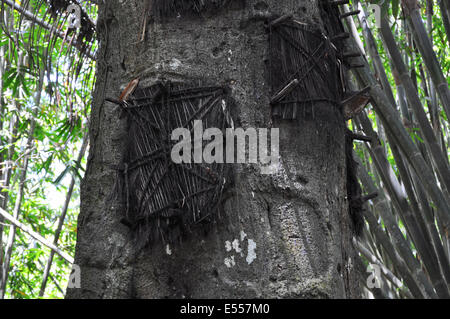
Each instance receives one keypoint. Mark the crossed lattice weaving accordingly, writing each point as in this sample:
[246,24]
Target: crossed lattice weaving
[163,199]
[303,62]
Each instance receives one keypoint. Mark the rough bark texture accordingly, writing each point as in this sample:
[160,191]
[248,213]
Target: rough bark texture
[285,235]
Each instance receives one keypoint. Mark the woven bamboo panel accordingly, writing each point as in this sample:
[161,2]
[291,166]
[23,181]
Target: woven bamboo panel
[165,199]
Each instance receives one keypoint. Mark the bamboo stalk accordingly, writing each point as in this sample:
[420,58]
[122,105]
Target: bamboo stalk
[422,229]
[22,181]
[370,257]
[415,272]
[13,127]
[386,86]
[374,245]
[368,293]
[432,103]
[390,118]
[2,175]
[409,213]
[405,175]
[4,180]
[54,280]
[415,103]
[401,95]
[445,9]
[431,227]
[428,228]
[35,235]
[378,65]
[425,47]
[62,217]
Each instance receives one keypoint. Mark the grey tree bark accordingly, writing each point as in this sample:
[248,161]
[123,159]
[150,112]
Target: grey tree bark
[285,235]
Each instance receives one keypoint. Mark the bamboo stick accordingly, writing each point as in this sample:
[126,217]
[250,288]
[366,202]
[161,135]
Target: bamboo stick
[445,9]
[22,181]
[432,94]
[425,47]
[390,118]
[35,235]
[409,213]
[415,103]
[415,272]
[403,170]
[370,257]
[3,175]
[63,216]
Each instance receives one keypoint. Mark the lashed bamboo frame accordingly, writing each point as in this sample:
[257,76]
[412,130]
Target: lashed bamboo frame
[164,200]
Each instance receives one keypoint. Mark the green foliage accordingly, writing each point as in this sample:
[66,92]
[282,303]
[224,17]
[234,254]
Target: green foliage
[60,122]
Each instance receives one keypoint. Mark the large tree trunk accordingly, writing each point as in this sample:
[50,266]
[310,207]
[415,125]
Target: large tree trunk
[285,235]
